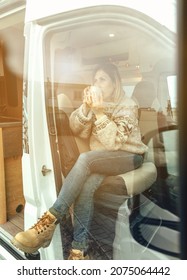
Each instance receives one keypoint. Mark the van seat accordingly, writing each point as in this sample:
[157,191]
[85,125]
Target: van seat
[151,121]
[144,95]
[114,190]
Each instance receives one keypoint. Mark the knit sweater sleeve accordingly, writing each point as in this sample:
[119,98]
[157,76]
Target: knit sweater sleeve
[114,133]
[80,124]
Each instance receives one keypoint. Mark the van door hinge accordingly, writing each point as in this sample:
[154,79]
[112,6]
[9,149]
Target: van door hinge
[45,170]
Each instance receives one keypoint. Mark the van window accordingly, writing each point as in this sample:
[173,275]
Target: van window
[172,102]
[71,52]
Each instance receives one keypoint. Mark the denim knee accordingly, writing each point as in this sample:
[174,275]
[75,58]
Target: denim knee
[84,160]
[138,160]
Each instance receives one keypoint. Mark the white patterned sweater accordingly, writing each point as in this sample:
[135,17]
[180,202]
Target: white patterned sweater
[117,130]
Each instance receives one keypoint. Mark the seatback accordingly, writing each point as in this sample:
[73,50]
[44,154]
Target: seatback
[67,145]
[151,117]
[65,106]
[144,95]
[151,121]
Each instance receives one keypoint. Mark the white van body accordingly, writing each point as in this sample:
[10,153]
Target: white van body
[49,26]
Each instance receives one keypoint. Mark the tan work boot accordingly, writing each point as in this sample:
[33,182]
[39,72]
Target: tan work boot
[76,254]
[37,236]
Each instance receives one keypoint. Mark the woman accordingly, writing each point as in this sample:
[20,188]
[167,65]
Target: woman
[109,120]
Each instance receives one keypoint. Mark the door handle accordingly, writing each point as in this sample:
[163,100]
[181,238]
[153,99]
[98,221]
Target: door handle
[45,170]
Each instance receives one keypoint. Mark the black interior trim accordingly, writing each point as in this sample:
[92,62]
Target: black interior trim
[9,249]
[136,222]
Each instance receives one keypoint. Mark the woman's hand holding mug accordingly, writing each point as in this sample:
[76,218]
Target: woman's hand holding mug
[93,100]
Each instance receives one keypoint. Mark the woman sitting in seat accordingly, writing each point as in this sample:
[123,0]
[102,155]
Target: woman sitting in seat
[109,120]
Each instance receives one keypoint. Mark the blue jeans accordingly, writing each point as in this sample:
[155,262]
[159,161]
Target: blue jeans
[83,180]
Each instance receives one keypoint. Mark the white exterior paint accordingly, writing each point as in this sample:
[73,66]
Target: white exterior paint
[162,11]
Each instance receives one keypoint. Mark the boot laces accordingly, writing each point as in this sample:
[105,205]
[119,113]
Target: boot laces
[43,223]
[76,255]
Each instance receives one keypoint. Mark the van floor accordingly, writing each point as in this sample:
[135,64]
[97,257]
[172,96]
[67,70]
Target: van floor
[101,235]
[15,224]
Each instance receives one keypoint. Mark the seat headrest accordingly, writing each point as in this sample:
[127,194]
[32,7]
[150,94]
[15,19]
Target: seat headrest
[144,94]
[64,103]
